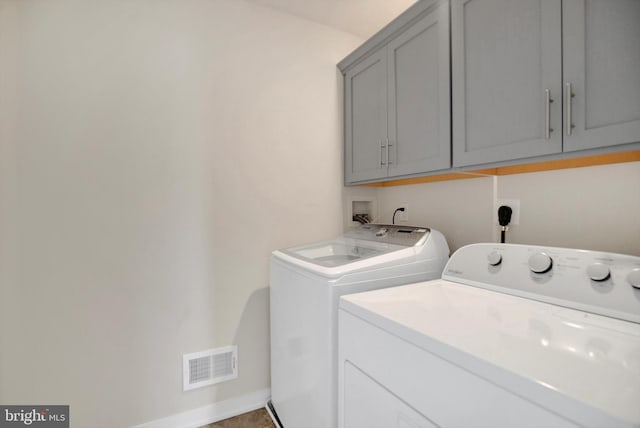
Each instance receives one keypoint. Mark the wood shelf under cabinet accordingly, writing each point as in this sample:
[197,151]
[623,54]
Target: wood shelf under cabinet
[604,159]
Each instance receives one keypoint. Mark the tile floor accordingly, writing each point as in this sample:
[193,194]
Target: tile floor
[256,419]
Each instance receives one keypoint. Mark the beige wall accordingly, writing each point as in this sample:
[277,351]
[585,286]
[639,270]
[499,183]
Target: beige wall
[590,208]
[153,153]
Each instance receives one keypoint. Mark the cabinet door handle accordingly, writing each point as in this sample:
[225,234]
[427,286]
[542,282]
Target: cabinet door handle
[380,153]
[388,145]
[548,129]
[569,102]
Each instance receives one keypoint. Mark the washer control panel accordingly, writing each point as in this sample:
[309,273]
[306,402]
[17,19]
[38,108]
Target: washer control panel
[602,283]
[390,234]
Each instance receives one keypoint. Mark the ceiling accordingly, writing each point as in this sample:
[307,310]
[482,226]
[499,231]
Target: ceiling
[360,17]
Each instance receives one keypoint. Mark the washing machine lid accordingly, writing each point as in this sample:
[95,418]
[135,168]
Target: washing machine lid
[361,248]
[523,345]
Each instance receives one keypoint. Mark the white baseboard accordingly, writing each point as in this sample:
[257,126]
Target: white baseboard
[212,413]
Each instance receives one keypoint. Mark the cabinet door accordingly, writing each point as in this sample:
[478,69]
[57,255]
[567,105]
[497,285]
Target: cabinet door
[366,119]
[506,58]
[419,96]
[602,64]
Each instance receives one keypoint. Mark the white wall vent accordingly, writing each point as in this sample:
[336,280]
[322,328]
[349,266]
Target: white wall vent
[209,367]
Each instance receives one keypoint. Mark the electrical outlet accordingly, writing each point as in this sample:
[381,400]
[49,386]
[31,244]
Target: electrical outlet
[403,215]
[514,204]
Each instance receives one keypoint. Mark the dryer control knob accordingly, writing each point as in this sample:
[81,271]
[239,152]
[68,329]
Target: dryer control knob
[540,263]
[494,258]
[634,278]
[598,271]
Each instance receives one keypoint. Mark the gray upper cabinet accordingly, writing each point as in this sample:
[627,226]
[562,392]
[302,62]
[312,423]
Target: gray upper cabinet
[366,125]
[521,80]
[507,80]
[397,100]
[601,59]
[538,77]
[419,97]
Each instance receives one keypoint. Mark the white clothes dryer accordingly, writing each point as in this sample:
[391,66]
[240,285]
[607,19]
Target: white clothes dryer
[511,336]
[306,283]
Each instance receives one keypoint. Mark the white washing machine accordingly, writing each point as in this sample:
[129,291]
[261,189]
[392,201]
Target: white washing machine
[511,336]
[306,283]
